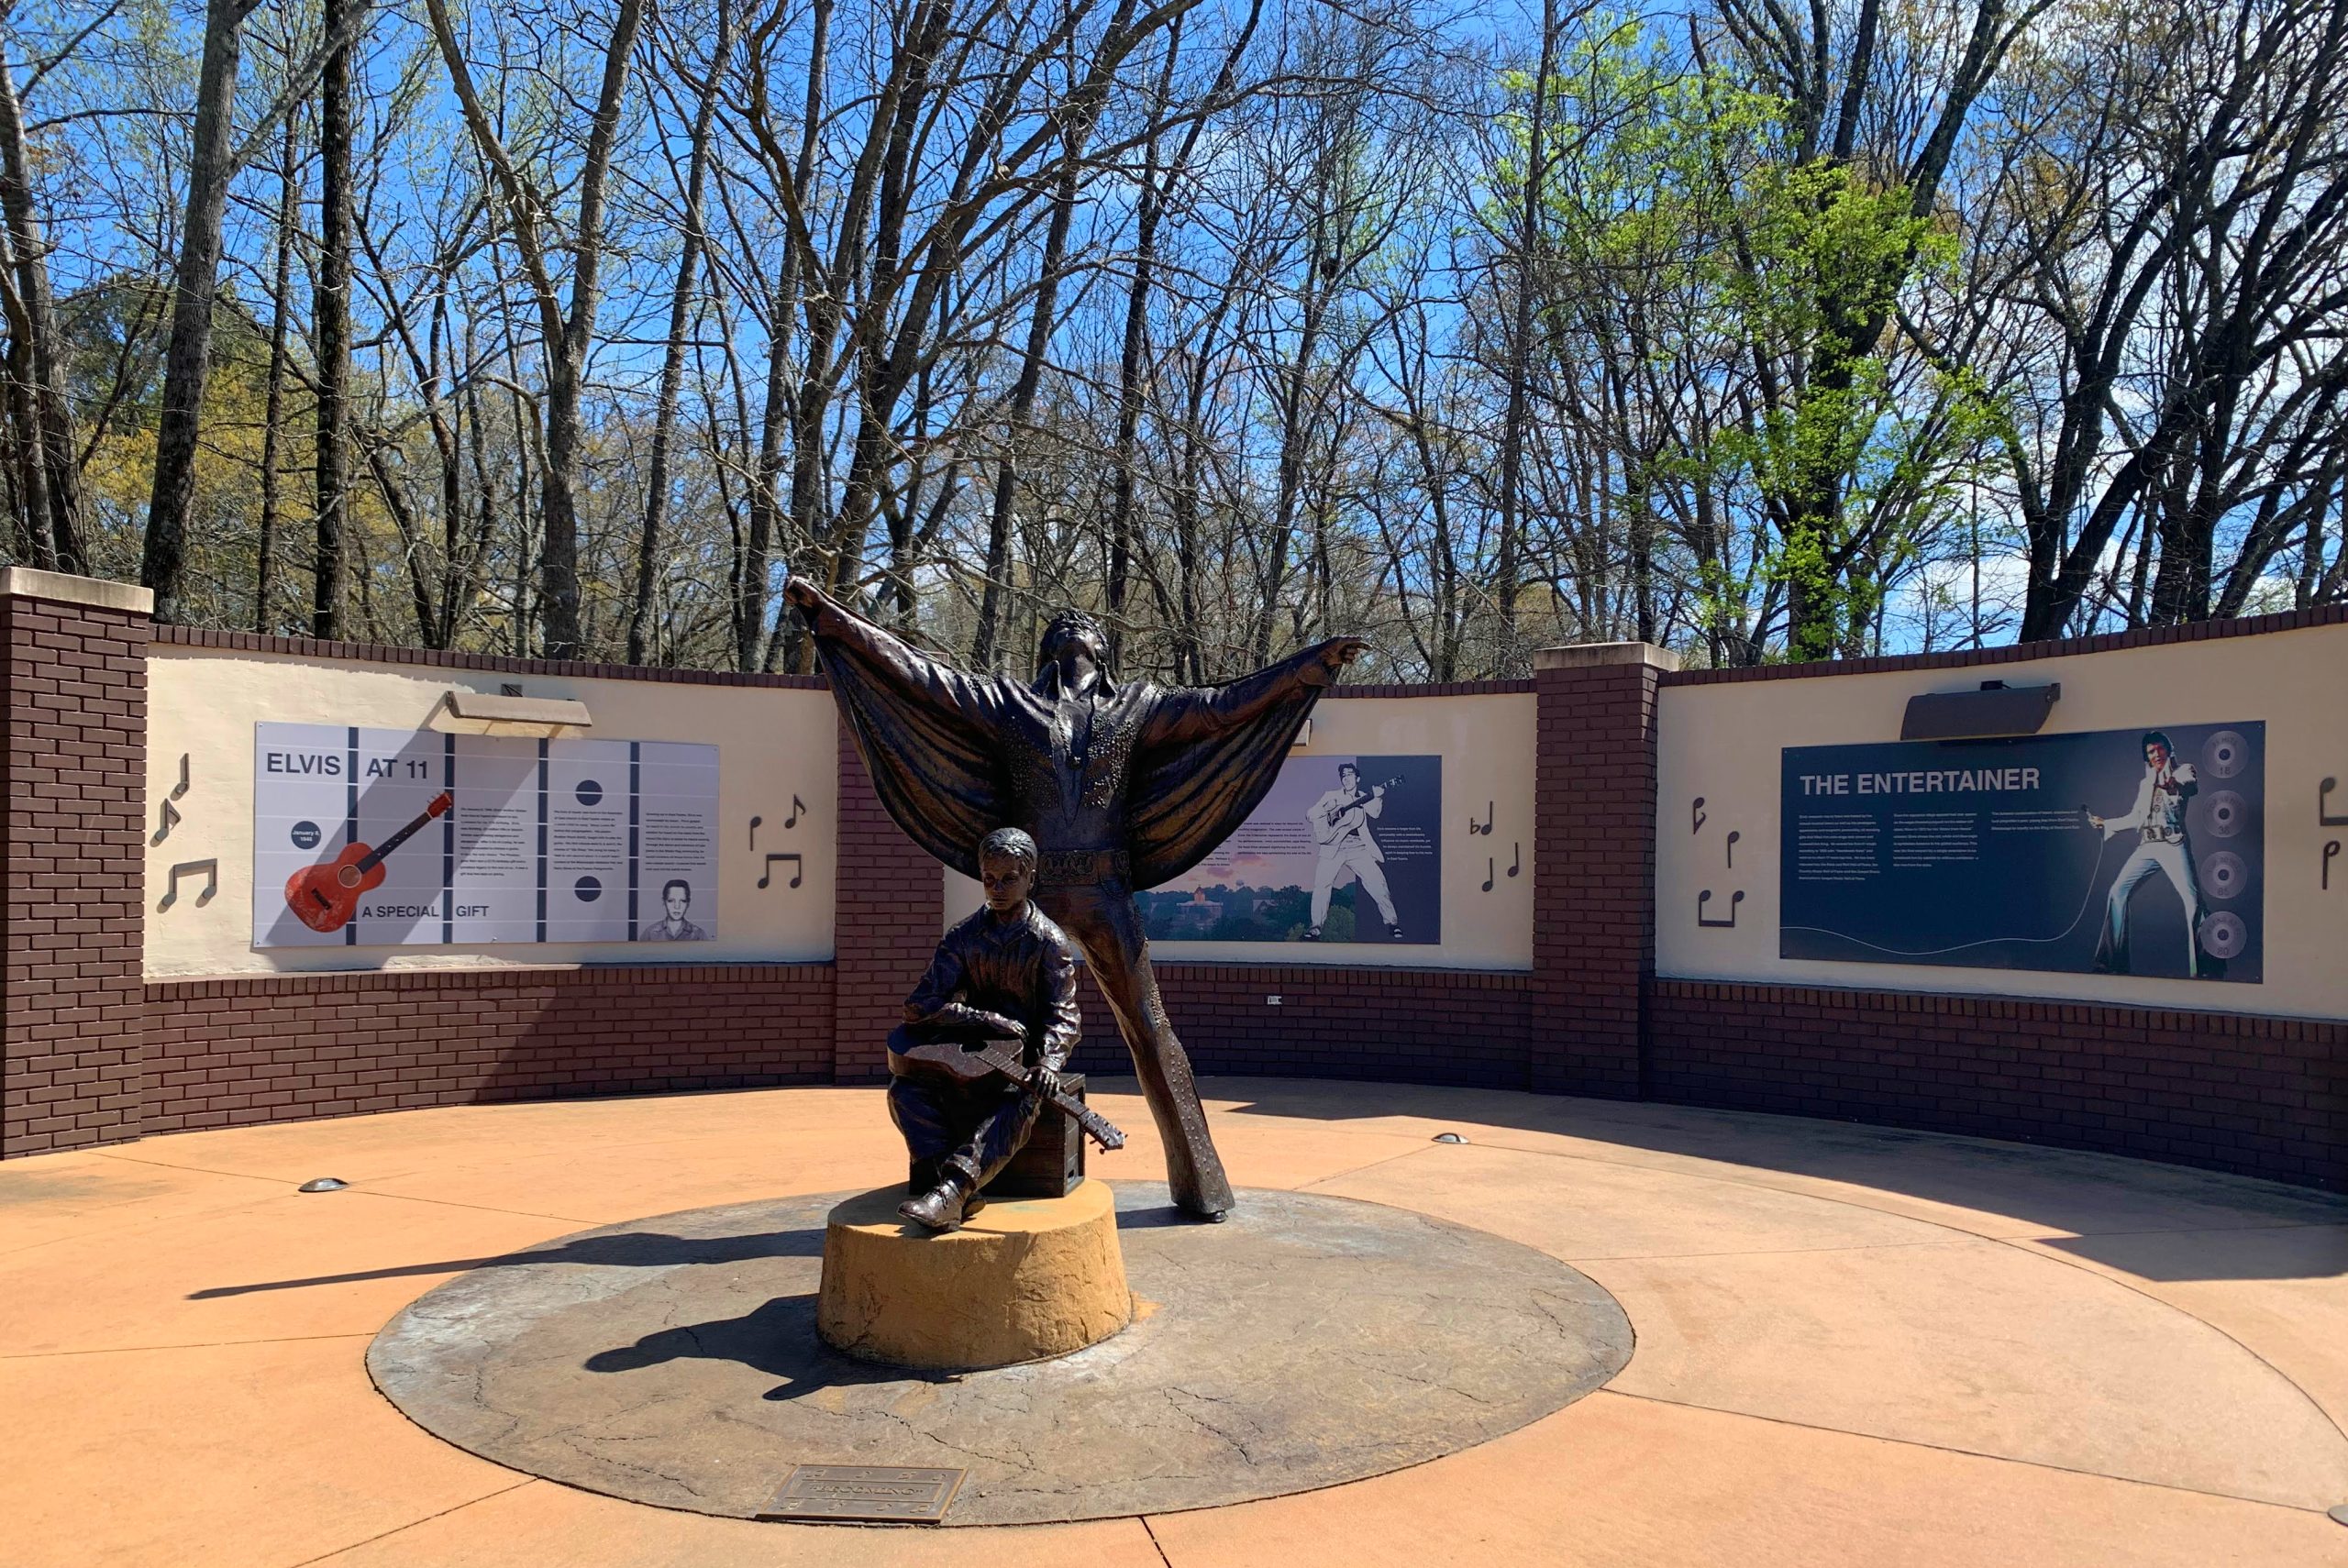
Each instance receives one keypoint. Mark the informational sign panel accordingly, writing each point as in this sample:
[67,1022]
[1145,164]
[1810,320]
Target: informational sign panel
[1342,849]
[369,838]
[2132,852]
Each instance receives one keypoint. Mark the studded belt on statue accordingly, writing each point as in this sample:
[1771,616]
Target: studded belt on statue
[1082,868]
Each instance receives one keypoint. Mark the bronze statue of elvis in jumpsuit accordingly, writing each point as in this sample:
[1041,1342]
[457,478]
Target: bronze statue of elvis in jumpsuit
[1123,785]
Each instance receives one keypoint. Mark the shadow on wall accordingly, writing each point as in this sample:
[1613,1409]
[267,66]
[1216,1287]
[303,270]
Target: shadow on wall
[2156,1221]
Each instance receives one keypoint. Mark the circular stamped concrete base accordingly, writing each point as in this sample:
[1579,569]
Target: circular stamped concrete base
[1025,1278]
[1307,1341]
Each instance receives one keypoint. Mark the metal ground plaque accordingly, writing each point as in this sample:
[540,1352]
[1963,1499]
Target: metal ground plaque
[901,1493]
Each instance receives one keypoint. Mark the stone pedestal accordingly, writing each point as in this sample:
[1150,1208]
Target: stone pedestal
[1020,1281]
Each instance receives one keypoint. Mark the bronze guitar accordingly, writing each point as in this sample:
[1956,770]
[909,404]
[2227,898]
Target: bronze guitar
[962,1060]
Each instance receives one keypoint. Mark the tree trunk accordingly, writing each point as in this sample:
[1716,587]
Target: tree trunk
[565,336]
[187,362]
[331,308]
[1520,337]
[51,406]
[673,365]
[1022,402]
[273,404]
[28,509]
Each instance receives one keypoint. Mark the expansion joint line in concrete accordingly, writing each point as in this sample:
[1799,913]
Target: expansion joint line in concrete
[428,1518]
[1955,1449]
[1156,1545]
[196,1344]
[1357,1170]
[362,1191]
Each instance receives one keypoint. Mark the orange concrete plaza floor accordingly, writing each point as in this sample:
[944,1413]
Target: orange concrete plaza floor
[1854,1346]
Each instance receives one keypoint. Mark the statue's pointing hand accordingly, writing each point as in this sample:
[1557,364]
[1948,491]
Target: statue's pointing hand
[1338,652]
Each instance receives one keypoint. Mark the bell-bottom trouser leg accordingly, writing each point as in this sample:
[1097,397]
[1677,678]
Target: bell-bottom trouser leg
[1105,922]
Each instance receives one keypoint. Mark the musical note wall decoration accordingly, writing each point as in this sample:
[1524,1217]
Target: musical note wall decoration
[1733,837]
[798,809]
[1486,825]
[211,869]
[180,789]
[798,873]
[2331,848]
[171,819]
[1491,869]
[2323,799]
[1705,897]
[1516,865]
[1696,812]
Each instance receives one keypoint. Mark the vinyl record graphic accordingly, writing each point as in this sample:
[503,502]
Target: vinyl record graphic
[2224,874]
[2225,753]
[2228,814]
[2223,935]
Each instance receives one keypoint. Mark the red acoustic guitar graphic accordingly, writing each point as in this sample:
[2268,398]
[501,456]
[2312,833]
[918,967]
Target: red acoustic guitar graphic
[324,897]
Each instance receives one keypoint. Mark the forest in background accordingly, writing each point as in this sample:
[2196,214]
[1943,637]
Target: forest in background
[1765,329]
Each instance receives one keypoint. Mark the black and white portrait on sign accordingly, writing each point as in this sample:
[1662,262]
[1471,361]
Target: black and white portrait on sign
[1343,849]
[675,923]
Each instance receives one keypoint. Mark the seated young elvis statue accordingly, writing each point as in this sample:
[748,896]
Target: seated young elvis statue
[1005,975]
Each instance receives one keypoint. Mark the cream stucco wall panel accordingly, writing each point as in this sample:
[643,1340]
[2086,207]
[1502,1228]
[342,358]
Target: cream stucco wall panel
[774,744]
[1723,743]
[1487,745]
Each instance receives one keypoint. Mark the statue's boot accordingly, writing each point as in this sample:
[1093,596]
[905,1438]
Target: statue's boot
[943,1207]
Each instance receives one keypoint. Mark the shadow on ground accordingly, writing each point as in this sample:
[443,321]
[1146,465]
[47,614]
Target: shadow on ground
[635,1248]
[2158,1221]
[778,1340]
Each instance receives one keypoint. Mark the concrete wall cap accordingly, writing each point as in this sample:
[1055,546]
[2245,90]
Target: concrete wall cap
[1582,656]
[24,583]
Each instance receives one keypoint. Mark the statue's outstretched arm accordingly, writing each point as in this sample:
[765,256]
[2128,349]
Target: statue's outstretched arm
[889,658]
[1196,713]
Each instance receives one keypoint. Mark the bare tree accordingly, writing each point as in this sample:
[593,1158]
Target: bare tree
[566,330]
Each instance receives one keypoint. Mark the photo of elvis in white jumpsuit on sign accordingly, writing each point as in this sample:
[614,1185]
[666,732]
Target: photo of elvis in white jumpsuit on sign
[1343,849]
[2135,852]
[2162,847]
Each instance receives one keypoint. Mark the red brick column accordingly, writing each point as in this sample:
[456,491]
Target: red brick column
[888,915]
[74,760]
[1593,889]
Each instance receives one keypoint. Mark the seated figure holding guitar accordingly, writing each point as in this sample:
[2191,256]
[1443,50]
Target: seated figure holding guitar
[1340,825]
[1004,980]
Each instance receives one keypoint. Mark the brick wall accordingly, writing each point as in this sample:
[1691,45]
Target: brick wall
[889,915]
[2261,1095]
[74,765]
[222,1052]
[92,1055]
[1593,889]
[1428,1026]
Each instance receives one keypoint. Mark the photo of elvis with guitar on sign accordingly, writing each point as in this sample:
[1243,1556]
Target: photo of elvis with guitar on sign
[1343,849]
